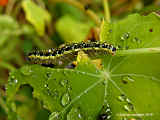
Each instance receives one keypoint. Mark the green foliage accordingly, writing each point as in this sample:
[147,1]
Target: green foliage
[36,15]
[9,28]
[124,83]
[72,89]
[71,30]
[124,87]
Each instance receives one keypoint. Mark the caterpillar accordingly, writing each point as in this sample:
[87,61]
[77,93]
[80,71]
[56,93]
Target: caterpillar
[62,56]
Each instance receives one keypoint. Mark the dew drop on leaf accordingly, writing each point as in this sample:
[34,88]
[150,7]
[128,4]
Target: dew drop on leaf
[125,36]
[54,116]
[126,108]
[46,85]
[55,93]
[75,114]
[16,81]
[63,82]
[136,40]
[129,107]
[126,79]
[128,100]
[48,74]
[65,99]
[13,80]
[105,113]
[121,98]
[103,117]
[26,70]
[69,88]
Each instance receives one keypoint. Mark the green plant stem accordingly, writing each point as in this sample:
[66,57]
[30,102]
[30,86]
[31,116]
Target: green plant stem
[138,51]
[106,11]
[78,5]
[7,65]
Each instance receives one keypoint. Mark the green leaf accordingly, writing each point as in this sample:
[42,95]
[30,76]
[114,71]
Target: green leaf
[134,79]
[8,26]
[9,32]
[65,92]
[36,15]
[71,30]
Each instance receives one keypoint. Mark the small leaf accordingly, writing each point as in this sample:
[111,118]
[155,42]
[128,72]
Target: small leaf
[71,30]
[36,15]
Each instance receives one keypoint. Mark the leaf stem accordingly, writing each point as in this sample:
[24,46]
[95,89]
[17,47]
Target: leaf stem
[106,11]
[138,51]
[81,7]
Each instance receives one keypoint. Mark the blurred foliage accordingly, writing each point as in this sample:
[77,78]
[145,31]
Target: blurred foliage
[25,25]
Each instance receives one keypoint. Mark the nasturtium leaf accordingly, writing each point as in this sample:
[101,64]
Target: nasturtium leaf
[134,79]
[68,93]
[72,30]
[36,15]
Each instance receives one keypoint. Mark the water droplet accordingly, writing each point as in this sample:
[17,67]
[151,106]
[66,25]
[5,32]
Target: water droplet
[13,80]
[103,117]
[46,85]
[128,100]
[48,74]
[125,36]
[105,113]
[126,108]
[63,82]
[136,40]
[122,98]
[65,99]
[55,116]
[16,81]
[75,114]
[69,88]
[55,93]
[129,107]
[26,70]
[126,79]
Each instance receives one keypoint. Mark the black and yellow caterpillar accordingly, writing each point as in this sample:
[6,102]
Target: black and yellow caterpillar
[62,56]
